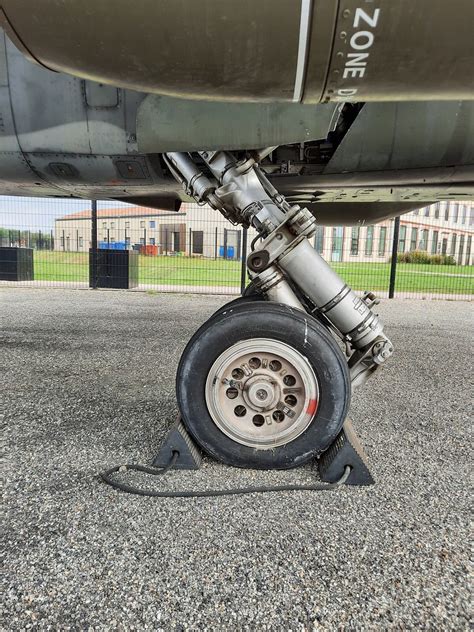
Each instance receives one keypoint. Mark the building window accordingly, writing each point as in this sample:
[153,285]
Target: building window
[152,223]
[319,239]
[112,225]
[104,224]
[402,237]
[197,237]
[106,238]
[81,242]
[455,212]
[355,240]
[461,249]
[446,212]
[424,240]
[127,241]
[427,211]
[453,244]
[127,224]
[434,243]
[142,224]
[416,211]
[112,240]
[414,238]
[369,242]
[436,211]
[444,243]
[176,241]
[62,242]
[152,241]
[382,240]
[468,249]
[463,213]
[142,241]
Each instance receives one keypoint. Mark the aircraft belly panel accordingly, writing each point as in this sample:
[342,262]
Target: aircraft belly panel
[390,136]
[170,124]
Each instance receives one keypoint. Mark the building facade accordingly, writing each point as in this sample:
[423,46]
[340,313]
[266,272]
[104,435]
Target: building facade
[443,228]
[193,231]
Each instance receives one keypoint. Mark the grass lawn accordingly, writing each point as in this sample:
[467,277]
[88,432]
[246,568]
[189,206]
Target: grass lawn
[178,271]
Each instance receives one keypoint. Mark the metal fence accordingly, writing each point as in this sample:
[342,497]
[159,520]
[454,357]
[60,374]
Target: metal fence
[80,244]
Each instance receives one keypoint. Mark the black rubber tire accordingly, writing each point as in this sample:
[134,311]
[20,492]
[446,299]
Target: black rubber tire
[280,322]
[241,300]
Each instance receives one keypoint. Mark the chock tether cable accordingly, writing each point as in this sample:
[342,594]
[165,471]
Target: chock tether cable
[107,477]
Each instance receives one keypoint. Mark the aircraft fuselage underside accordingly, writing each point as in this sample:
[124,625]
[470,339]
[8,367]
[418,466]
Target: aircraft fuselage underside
[62,136]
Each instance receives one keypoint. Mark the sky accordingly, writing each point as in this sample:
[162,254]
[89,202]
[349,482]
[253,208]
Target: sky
[28,213]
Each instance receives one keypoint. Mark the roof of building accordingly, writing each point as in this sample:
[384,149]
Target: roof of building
[128,211]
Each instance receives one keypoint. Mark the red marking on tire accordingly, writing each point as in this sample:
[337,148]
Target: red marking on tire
[312,406]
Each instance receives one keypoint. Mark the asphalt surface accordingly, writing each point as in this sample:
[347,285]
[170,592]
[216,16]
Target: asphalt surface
[87,381]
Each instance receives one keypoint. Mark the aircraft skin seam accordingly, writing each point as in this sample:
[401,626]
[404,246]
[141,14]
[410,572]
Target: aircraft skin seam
[306,6]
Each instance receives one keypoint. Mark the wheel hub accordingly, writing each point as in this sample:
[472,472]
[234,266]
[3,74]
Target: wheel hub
[262,393]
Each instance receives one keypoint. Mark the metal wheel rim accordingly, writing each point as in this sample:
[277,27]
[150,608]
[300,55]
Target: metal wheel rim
[262,392]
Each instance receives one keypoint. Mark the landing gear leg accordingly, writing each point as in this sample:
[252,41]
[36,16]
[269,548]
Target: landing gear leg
[264,384]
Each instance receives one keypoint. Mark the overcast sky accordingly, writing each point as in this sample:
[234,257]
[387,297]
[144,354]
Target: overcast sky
[39,213]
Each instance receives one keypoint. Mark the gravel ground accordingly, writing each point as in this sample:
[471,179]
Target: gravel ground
[86,380]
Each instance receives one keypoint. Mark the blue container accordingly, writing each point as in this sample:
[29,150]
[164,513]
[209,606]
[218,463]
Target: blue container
[115,245]
[230,252]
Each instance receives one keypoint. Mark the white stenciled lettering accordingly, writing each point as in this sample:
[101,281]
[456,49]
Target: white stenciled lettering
[370,20]
[344,93]
[353,72]
[360,42]
[356,59]
[367,40]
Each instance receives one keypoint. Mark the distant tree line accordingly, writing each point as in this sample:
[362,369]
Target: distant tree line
[40,240]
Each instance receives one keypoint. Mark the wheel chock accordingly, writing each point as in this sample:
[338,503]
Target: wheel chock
[346,449]
[178,440]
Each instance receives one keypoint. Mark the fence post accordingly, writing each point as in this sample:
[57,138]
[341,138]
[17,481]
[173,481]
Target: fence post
[94,281]
[225,243]
[243,268]
[393,264]
[215,244]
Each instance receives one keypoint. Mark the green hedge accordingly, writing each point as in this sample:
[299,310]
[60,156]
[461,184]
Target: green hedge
[417,256]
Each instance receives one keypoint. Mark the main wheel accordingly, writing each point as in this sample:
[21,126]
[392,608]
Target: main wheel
[263,386]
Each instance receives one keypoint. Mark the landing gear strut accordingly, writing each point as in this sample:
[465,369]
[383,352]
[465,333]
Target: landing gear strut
[264,383]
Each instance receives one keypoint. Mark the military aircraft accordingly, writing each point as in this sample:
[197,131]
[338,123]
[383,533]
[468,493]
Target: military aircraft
[277,113]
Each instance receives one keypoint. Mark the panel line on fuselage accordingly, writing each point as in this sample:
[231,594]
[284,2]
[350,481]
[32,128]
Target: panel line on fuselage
[302,49]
